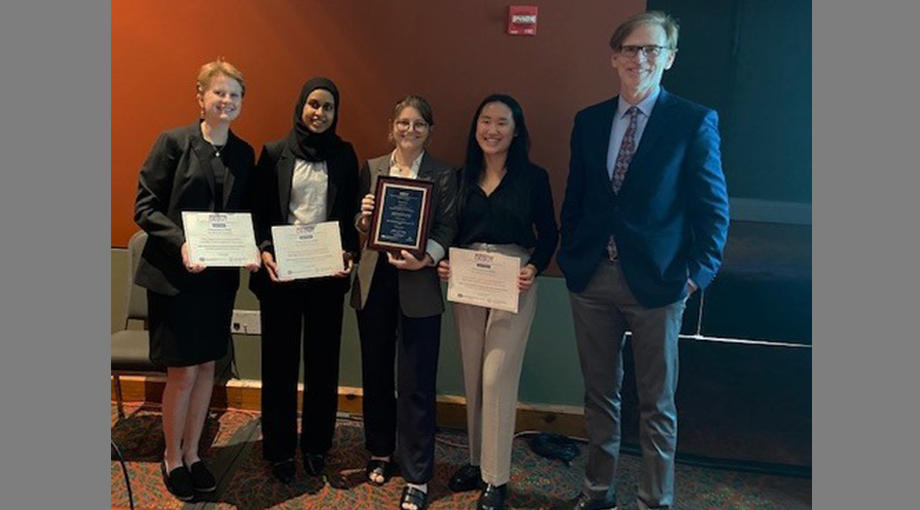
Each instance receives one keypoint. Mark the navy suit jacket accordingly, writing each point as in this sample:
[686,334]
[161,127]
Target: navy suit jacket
[670,217]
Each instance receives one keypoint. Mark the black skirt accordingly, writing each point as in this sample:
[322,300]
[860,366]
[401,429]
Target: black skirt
[192,327]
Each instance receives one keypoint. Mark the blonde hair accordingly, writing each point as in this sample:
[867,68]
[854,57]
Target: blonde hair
[219,67]
[665,21]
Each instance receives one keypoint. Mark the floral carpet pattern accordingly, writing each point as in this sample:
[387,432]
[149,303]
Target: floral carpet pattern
[234,451]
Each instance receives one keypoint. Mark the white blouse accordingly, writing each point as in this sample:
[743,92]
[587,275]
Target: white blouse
[308,193]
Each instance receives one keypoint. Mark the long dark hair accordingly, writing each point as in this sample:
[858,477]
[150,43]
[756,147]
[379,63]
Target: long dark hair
[518,152]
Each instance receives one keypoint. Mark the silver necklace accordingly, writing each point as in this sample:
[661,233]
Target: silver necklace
[218,148]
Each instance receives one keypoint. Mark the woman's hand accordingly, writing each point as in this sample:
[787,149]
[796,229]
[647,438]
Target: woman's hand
[367,208]
[408,262]
[348,260]
[526,277]
[253,267]
[444,270]
[193,268]
[269,261]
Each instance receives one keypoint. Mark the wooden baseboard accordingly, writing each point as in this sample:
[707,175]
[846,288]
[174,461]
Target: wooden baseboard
[246,395]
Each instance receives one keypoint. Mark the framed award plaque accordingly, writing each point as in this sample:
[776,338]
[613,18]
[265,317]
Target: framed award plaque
[401,215]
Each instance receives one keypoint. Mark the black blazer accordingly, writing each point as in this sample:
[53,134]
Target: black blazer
[274,175]
[176,177]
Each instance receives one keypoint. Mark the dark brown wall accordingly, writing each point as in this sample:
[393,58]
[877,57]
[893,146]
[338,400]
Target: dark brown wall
[453,53]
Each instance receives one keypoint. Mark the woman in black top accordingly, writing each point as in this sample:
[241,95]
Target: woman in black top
[199,167]
[308,177]
[506,207]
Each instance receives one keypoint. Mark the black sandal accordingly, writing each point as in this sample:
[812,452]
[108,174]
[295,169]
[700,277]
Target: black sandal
[413,496]
[378,467]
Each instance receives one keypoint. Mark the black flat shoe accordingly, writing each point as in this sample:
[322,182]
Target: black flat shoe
[314,463]
[379,467]
[583,502]
[493,497]
[178,482]
[465,479]
[284,471]
[202,479]
[413,496]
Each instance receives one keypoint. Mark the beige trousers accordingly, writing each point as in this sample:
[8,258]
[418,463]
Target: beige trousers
[492,344]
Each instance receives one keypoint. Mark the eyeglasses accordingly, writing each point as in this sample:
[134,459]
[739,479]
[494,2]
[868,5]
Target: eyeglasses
[649,51]
[405,125]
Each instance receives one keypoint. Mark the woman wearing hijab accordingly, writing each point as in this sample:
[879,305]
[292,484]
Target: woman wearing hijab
[199,167]
[506,207]
[399,306]
[308,177]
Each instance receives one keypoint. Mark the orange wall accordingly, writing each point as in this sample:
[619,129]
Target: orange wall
[453,53]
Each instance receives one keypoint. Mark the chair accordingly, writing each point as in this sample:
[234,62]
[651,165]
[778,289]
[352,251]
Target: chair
[130,347]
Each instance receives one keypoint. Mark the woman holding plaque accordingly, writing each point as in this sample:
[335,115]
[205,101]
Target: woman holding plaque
[307,178]
[506,207]
[399,305]
[199,167]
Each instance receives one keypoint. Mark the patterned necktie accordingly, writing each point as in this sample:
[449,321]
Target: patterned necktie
[627,149]
[624,156]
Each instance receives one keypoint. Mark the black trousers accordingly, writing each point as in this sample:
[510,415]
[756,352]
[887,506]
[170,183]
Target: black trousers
[407,347]
[308,312]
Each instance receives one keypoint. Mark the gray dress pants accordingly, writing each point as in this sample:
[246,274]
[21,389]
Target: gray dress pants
[602,313]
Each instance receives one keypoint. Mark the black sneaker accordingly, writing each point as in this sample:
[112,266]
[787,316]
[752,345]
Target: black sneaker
[583,502]
[314,463]
[178,482]
[493,497]
[466,478]
[202,479]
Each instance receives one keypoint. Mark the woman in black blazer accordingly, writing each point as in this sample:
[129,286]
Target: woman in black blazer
[308,177]
[399,306]
[199,167]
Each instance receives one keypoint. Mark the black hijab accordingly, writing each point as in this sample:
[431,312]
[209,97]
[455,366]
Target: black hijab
[306,144]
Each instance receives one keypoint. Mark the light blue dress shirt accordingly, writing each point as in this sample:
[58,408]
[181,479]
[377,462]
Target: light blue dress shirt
[620,123]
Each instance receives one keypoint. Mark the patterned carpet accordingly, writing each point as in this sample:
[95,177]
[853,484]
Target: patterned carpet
[235,454]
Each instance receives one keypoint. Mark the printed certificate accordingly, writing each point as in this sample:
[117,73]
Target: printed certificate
[308,251]
[484,278]
[220,239]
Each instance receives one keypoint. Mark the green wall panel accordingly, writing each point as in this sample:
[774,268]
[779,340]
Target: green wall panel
[551,374]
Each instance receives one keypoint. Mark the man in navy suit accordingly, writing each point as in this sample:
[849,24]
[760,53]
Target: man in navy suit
[644,223]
